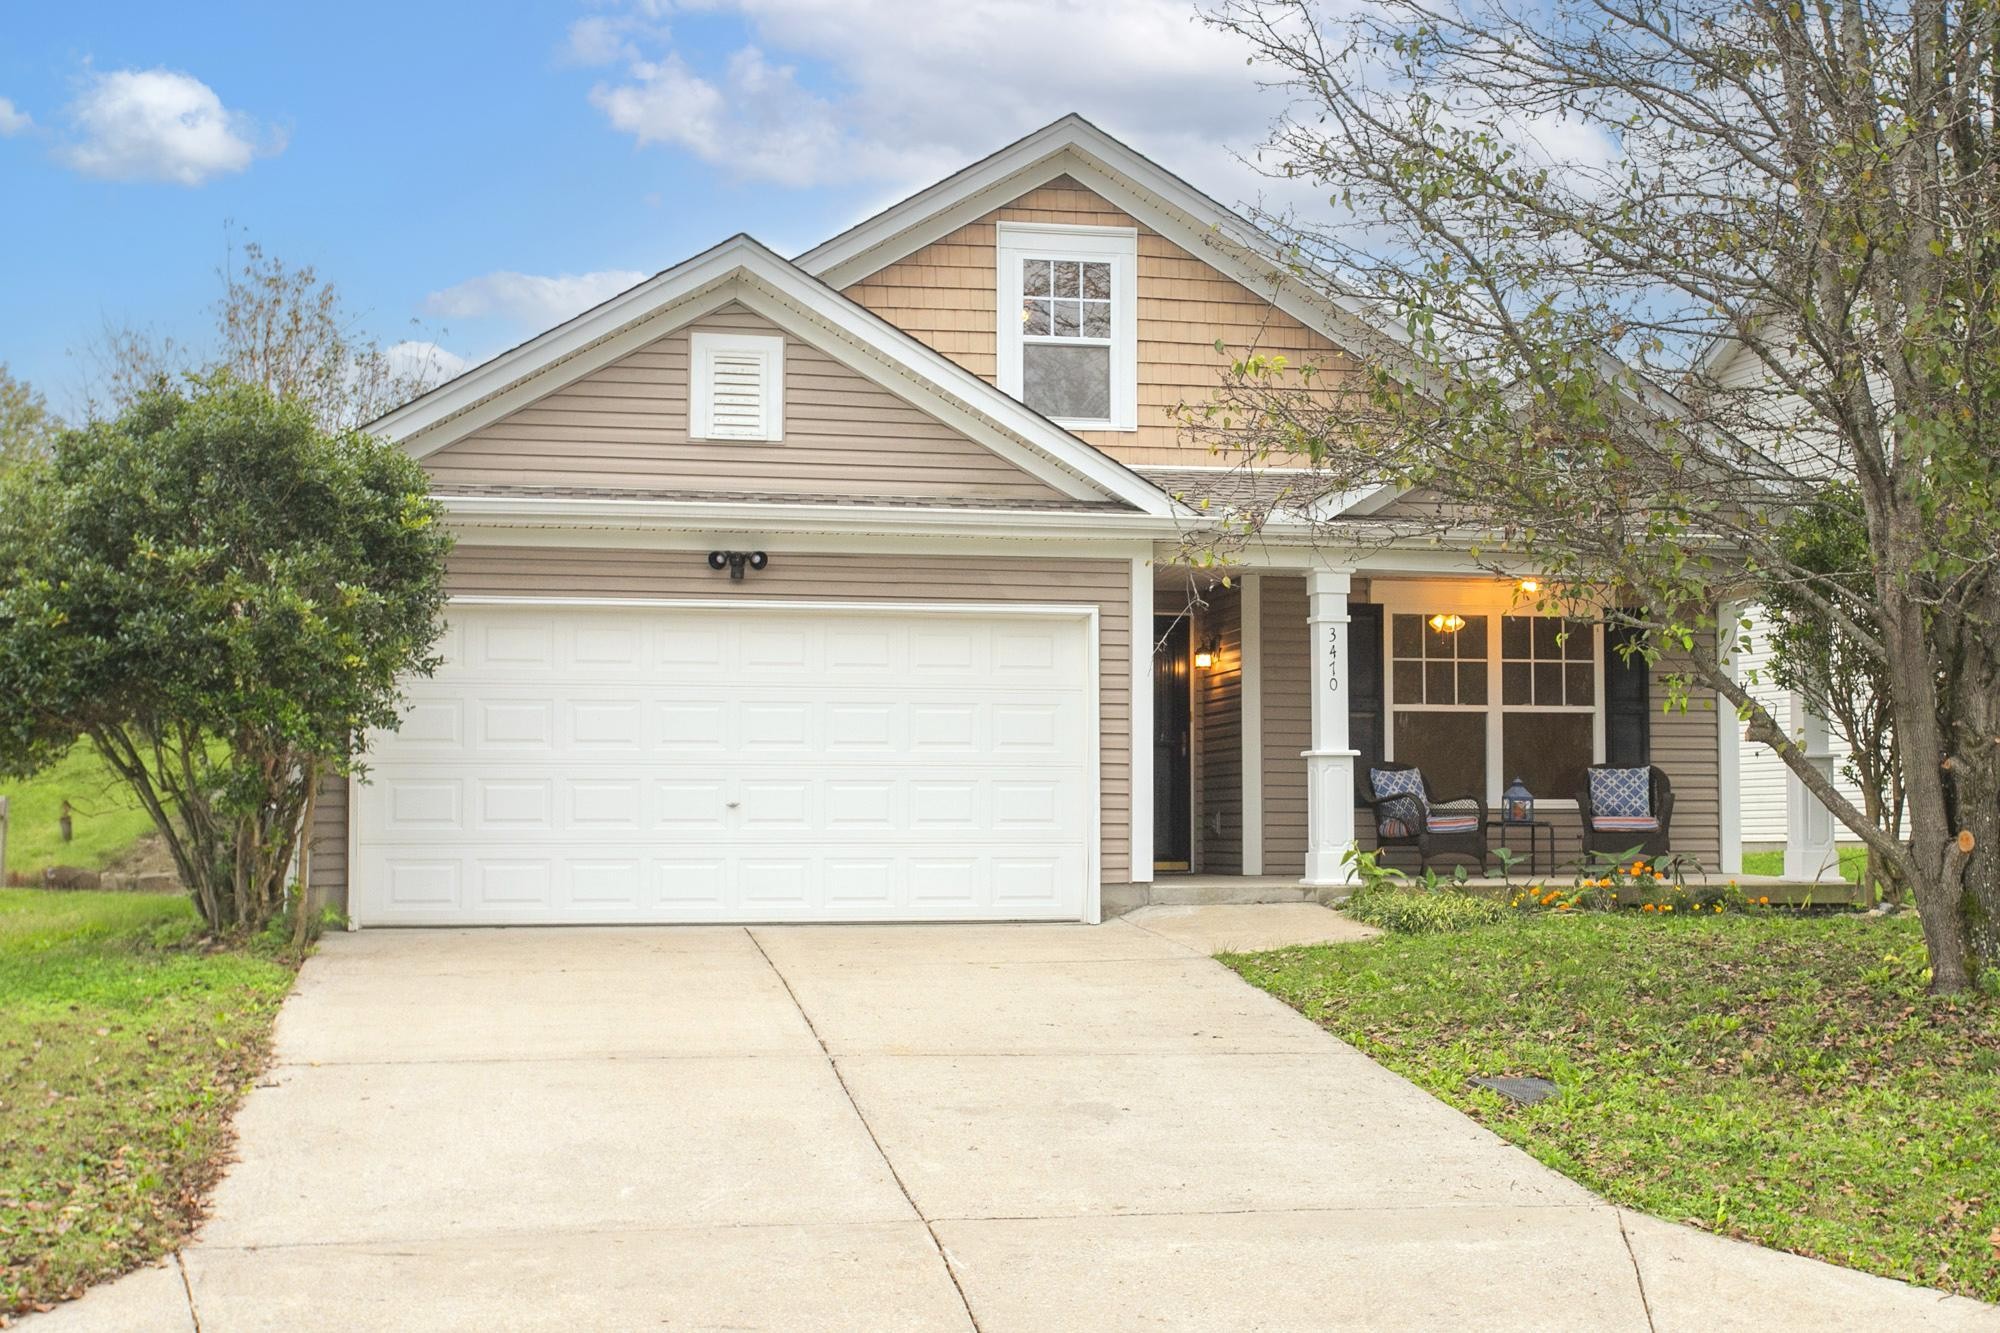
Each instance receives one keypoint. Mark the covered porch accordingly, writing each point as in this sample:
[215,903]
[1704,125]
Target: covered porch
[1275,686]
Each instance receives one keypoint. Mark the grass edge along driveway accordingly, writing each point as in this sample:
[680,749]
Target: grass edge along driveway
[125,1044]
[1781,1079]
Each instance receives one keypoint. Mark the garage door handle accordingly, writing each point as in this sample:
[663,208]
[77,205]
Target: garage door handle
[733,804]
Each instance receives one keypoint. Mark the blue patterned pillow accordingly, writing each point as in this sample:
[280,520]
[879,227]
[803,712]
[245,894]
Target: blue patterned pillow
[1621,791]
[1409,810]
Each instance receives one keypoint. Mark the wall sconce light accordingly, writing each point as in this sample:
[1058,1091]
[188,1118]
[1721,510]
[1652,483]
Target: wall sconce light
[735,561]
[1446,623]
[1531,586]
[1204,653]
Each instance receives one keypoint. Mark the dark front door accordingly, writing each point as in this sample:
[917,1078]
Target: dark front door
[1172,778]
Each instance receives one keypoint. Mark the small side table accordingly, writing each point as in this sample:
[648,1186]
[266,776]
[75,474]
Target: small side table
[1536,828]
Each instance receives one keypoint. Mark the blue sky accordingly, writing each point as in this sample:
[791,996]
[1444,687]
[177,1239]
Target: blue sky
[469,174]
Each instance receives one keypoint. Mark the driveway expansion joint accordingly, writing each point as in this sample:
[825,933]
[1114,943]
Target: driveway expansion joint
[937,1245]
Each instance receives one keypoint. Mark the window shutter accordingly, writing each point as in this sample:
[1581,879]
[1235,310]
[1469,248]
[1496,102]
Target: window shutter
[1628,706]
[1364,685]
[739,389]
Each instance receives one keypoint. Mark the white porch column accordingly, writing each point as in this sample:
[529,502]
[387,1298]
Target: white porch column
[1329,763]
[1809,849]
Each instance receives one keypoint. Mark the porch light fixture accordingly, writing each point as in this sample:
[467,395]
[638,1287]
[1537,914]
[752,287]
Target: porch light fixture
[1204,654]
[1531,586]
[1446,623]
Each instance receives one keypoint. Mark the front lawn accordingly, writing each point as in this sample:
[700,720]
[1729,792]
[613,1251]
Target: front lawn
[124,1045]
[1853,863]
[1783,1079]
[105,817]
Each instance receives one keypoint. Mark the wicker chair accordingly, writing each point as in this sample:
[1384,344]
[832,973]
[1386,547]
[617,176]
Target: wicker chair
[1650,834]
[1454,827]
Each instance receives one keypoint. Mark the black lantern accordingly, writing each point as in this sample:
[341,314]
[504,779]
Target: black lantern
[1517,804]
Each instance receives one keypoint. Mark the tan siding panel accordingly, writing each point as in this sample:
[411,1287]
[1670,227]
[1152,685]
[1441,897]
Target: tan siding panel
[626,425]
[1106,584]
[945,293]
[1287,723]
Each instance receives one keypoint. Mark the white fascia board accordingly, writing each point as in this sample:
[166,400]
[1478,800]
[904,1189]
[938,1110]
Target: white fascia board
[786,516]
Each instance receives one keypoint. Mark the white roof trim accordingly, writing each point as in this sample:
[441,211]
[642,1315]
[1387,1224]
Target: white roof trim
[1163,201]
[741,269]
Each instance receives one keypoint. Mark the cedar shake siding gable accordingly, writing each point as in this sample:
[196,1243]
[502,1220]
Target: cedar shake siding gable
[625,427]
[945,295]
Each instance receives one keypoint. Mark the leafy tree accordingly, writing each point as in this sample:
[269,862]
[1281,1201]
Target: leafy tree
[1665,270]
[25,422]
[1834,673]
[222,598]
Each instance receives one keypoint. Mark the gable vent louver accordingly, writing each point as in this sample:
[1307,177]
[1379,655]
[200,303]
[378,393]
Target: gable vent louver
[738,386]
[738,391]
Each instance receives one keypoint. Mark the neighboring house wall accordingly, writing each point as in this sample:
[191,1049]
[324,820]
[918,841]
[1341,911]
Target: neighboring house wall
[1764,777]
[682,575]
[1218,704]
[626,425]
[944,294]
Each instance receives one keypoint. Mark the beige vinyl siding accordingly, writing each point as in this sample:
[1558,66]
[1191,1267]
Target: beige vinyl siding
[326,873]
[945,295]
[1106,584]
[1219,704]
[1287,723]
[626,425]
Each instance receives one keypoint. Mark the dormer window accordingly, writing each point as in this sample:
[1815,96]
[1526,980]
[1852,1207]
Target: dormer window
[736,386]
[1068,335]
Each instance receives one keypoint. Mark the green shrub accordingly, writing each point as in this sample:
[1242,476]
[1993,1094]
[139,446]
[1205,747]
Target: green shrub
[1422,911]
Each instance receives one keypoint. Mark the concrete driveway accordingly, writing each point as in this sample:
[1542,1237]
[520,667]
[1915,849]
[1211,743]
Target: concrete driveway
[991,1127]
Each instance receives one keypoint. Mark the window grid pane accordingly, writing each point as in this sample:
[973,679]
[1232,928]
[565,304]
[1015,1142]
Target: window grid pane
[1548,662]
[1068,299]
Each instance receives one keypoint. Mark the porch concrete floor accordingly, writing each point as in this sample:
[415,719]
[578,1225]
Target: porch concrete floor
[900,1127]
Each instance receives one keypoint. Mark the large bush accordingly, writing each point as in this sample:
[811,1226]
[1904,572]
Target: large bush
[222,597]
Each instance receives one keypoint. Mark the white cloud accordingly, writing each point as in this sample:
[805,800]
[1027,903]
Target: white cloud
[425,362]
[13,120]
[534,299]
[880,91]
[160,124]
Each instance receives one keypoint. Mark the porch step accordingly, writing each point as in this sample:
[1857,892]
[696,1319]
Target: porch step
[1210,891]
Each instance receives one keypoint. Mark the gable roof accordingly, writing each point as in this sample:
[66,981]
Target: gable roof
[1072,146]
[742,269]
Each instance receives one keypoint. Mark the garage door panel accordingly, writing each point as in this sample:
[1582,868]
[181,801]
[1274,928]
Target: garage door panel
[680,764]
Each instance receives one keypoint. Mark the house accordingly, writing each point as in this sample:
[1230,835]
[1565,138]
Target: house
[849,588]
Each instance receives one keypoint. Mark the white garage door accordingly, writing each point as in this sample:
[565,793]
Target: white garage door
[620,764]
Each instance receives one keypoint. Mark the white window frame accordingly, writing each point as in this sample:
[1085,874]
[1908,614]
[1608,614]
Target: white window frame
[1017,241]
[702,348]
[1412,597]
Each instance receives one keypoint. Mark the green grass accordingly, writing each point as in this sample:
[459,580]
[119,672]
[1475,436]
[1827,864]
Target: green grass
[1782,1079]
[1853,862]
[124,1045]
[105,816]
